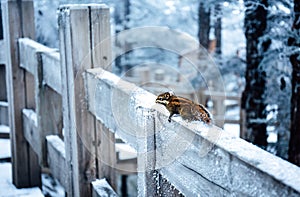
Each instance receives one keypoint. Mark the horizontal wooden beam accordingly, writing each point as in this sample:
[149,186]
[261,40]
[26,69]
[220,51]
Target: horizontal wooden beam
[115,102]
[52,70]
[55,146]
[28,58]
[231,166]
[209,160]
[31,133]
[50,62]
[57,159]
[127,166]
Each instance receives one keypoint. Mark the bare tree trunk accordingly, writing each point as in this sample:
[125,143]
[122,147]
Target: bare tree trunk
[218,29]
[204,25]
[294,147]
[253,101]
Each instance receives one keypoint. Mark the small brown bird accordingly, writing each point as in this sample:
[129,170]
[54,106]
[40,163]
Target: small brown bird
[187,109]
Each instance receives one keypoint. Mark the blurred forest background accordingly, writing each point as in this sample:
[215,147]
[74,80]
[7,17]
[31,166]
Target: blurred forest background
[255,43]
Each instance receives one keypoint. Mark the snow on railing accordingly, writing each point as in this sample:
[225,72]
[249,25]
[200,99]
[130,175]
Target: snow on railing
[178,157]
[197,159]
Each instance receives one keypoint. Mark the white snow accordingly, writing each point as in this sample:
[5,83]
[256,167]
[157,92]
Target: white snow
[4,103]
[125,151]
[4,129]
[234,129]
[5,148]
[57,143]
[8,189]
[103,189]
[31,115]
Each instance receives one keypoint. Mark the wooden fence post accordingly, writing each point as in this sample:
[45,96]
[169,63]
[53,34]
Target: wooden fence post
[102,57]
[79,35]
[148,176]
[18,21]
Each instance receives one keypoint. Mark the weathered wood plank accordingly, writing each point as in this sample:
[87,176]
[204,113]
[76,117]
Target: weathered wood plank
[112,100]
[126,159]
[31,132]
[57,159]
[2,52]
[50,59]
[3,113]
[228,168]
[101,188]
[207,158]
[146,160]
[52,70]
[49,109]
[101,57]
[75,47]
[101,38]
[3,92]
[127,166]
[106,154]
[29,86]
[28,49]
[18,21]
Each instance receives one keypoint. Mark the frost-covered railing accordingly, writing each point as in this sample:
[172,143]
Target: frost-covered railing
[194,158]
[49,90]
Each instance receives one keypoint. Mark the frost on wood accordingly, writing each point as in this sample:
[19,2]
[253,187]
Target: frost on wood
[57,158]
[207,158]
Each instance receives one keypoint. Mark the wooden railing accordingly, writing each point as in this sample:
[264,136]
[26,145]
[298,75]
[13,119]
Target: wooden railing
[66,107]
[42,87]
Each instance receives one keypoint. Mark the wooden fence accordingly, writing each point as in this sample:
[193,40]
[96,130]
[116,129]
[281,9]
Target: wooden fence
[65,108]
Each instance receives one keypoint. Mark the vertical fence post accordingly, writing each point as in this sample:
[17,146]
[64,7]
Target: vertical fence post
[148,177]
[102,57]
[18,21]
[79,36]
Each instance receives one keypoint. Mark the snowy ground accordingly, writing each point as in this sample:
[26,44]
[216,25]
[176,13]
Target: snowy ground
[8,189]
[50,186]
[6,186]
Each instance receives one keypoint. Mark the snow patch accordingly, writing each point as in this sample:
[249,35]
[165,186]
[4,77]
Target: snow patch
[103,189]
[7,187]
[5,148]
[4,129]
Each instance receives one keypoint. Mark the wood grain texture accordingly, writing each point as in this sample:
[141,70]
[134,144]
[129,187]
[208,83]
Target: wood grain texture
[3,92]
[48,109]
[57,159]
[76,37]
[209,160]
[18,18]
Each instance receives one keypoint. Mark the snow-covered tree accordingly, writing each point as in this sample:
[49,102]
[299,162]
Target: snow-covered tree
[294,42]
[278,69]
[204,24]
[253,98]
